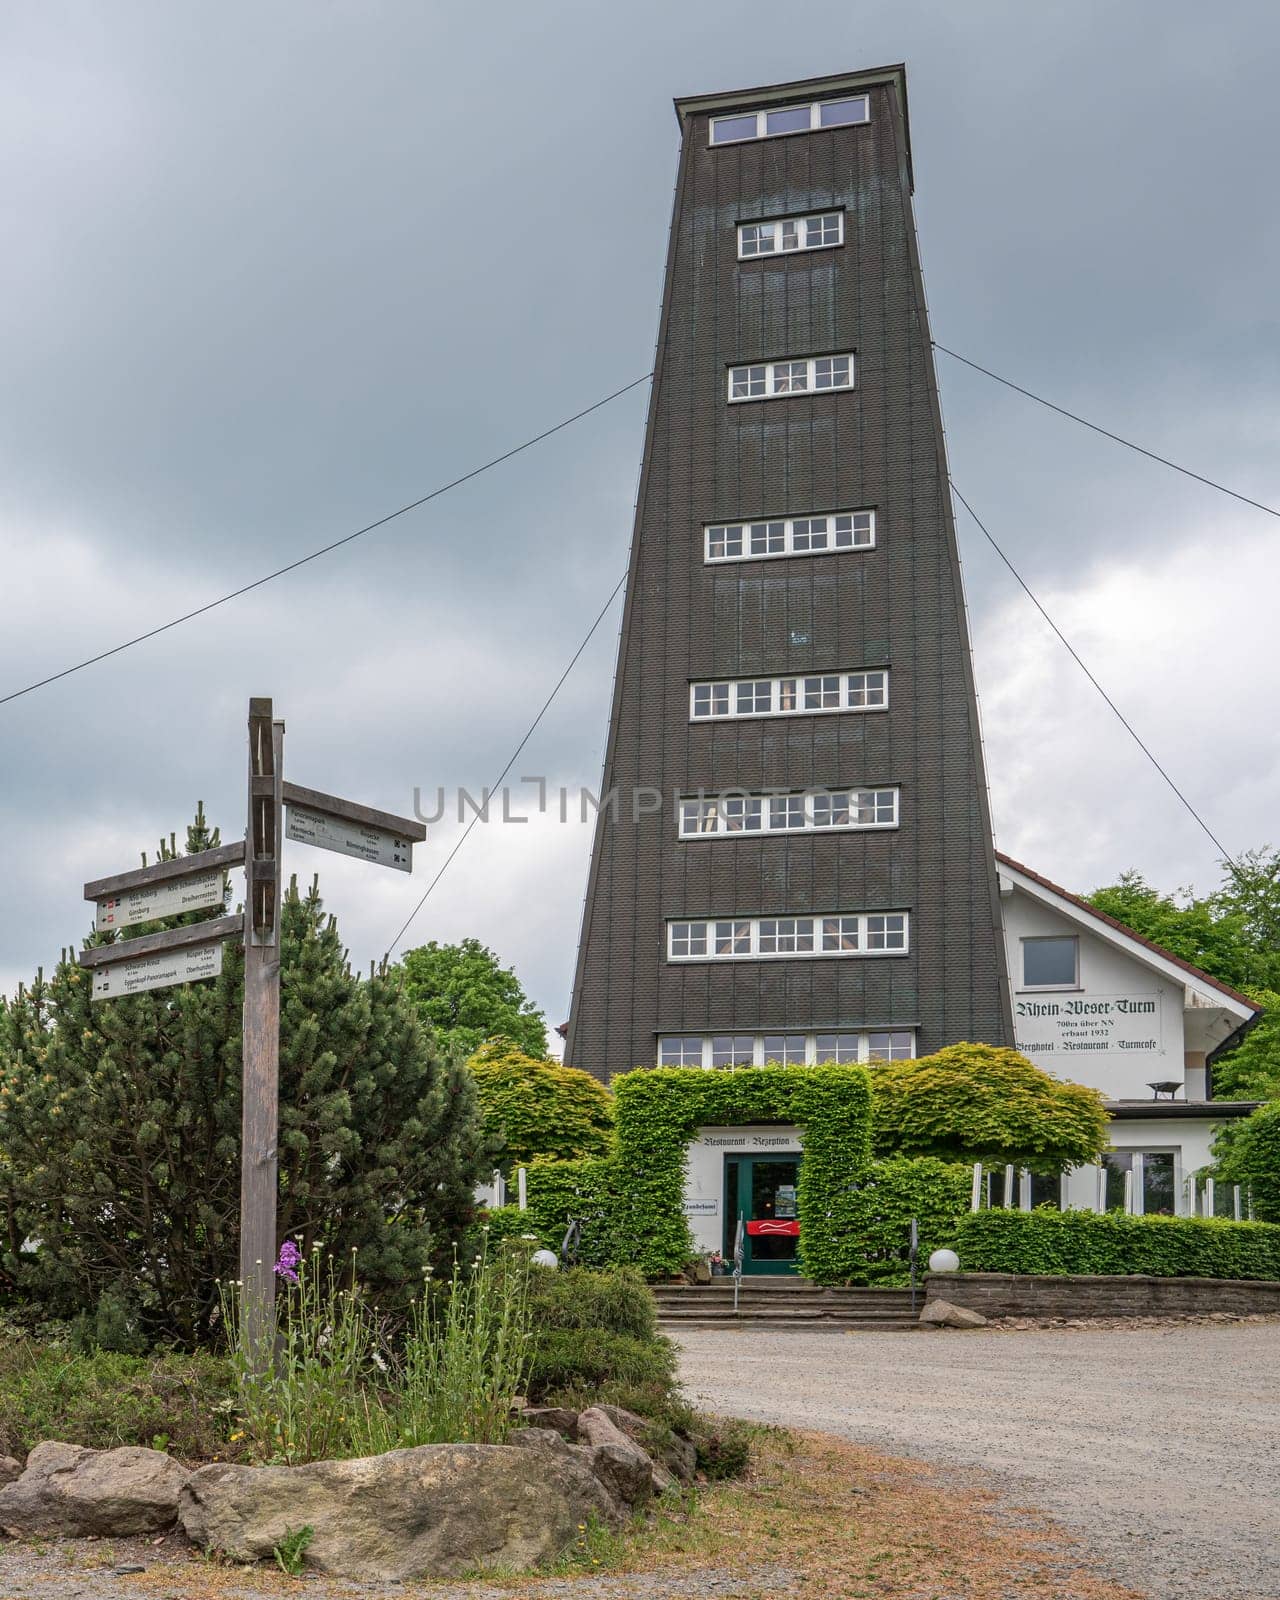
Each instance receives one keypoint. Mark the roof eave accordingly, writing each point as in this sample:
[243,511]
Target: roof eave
[1248,1010]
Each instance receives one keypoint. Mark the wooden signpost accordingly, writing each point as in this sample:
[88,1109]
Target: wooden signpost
[187,954]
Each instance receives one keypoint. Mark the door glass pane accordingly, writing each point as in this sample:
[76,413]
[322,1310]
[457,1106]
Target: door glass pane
[730,1208]
[1117,1163]
[773,1187]
[1046,1191]
[1157,1183]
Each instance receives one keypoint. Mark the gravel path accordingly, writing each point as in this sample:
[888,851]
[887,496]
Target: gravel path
[1162,1444]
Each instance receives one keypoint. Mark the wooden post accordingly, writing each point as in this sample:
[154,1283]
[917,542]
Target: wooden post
[261,1079]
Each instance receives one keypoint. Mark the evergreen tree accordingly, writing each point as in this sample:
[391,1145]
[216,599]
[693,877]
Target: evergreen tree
[120,1127]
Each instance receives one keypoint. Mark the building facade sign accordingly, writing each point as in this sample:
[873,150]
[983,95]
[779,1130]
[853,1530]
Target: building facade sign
[1063,1026]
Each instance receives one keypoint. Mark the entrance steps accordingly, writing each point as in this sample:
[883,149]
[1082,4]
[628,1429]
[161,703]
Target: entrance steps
[767,1302]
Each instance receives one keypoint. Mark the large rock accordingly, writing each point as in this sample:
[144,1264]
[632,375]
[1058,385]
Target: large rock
[67,1489]
[942,1314]
[624,1466]
[434,1511]
[677,1454]
[558,1418]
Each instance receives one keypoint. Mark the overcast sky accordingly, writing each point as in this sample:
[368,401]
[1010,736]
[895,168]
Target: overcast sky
[270,272]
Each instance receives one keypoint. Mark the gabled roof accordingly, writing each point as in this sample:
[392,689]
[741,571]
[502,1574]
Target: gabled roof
[1202,977]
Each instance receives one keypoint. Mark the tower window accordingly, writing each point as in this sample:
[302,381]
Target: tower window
[848,934]
[769,380]
[787,1049]
[725,814]
[790,234]
[789,119]
[794,536]
[774,697]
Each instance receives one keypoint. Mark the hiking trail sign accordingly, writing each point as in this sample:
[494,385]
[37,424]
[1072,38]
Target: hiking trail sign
[194,951]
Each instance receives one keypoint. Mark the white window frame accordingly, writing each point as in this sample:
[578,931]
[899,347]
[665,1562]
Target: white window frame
[815,120]
[784,371]
[812,1057]
[779,225]
[795,687]
[722,810]
[860,523]
[739,938]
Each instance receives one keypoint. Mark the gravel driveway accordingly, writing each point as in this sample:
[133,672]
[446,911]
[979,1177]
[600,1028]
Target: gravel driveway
[1161,1444]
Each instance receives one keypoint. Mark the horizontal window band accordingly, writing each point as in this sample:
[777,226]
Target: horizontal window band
[796,1027]
[804,811]
[805,936]
[727,1049]
[774,538]
[881,664]
[815,693]
[776,122]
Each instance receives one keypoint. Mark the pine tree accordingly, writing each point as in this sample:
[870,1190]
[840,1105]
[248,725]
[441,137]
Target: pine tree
[120,1131]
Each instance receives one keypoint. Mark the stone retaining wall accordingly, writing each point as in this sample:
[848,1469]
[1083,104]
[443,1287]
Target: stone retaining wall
[1011,1294]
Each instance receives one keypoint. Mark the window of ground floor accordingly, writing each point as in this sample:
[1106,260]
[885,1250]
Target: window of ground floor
[786,1048]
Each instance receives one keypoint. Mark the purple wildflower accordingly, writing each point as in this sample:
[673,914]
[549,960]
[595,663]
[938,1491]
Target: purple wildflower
[289,1261]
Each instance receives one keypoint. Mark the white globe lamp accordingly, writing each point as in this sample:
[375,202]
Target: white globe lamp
[545,1258]
[944,1261]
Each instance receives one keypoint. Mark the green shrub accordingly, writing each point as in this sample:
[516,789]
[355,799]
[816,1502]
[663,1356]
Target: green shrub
[724,1447]
[1090,1242]
[617,1301]
[1249,1154]
[935,1193]
[582,1359]
[596,1339]
[975,1102]
[105,1399]
[539,1108]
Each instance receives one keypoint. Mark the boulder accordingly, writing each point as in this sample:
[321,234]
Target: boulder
[10,1468]
[434,1511]
[676,1456]
[942,1314]
[624,1466]
[67,1489]
[559,1418]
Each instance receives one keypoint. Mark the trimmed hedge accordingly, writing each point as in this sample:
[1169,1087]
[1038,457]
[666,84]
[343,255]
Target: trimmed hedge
[558,1190]
[1089,1242]
[878,1250]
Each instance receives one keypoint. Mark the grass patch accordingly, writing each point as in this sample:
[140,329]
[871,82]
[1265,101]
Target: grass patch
[180,1403]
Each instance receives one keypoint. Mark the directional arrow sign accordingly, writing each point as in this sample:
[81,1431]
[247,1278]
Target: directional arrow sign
[350,829]
[350,838]
[161,900]
[158,971]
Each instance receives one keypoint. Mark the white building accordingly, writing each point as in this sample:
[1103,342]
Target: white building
[1093,1003]
[1096,1004]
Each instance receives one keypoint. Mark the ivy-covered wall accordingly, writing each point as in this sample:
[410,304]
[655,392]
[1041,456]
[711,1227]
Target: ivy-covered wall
[633,1203]
[935,1193]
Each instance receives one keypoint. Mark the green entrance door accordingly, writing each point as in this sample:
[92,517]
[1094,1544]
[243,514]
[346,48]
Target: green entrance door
[762,1191]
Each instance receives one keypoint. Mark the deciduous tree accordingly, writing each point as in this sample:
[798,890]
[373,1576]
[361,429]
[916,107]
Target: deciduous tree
[465,996]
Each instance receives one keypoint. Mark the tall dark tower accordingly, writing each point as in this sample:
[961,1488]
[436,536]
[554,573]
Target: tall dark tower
[794,675]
